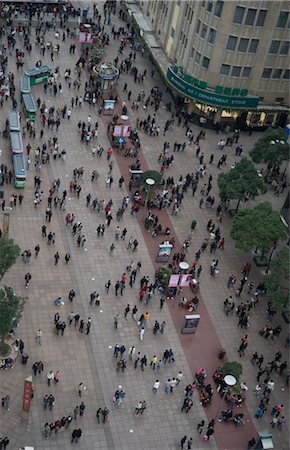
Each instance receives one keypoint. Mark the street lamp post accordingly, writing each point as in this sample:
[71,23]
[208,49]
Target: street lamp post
[183,266]
[229,381]
[150,182]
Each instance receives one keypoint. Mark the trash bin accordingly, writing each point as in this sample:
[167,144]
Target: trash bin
[24,358]
[193,224]
[194,285]
[222,354]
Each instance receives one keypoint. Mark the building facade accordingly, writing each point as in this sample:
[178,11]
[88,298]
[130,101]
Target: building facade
[228,59]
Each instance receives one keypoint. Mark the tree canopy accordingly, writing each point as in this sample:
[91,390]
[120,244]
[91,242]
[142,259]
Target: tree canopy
[242,179]
[11,307]
[277,282]
[9,252]
[272,148]
[260,227]
[97,53]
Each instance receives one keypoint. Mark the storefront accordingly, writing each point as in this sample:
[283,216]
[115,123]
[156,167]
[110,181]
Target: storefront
[209,105]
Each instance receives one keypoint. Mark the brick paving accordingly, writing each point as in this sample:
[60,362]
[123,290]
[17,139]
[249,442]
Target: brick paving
[89,358]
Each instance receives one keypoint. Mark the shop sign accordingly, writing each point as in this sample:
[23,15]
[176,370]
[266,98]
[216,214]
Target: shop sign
[211,98]
[27,394]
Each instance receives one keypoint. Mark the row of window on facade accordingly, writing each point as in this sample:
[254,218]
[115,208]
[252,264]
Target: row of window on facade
[251,45]
[241,44]
[248,16]
[239,71]
[253,17]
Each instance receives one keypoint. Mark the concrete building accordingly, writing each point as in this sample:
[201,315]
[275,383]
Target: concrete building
[228,60]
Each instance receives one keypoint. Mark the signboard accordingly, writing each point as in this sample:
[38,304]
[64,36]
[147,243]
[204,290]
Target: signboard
[164,251]
[173,281]
[126,130]
[122,130]
[108,106]
[211,98]
[117,130]
[86,38]
[185,280]
[190,323]
[27,393]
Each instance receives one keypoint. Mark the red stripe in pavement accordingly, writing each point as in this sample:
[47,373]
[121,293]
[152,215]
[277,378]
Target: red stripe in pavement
[201,349]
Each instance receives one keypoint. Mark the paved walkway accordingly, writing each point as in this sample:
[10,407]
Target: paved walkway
[89,358]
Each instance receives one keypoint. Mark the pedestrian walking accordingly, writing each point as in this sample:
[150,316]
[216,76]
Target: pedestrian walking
[116,321]
[82,409]
[38,336]
[27,279]
[50,377]
[141,333]
[200,426]
[156,386]
[81,389]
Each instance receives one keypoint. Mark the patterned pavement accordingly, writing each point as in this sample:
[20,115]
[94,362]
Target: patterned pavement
[89,358]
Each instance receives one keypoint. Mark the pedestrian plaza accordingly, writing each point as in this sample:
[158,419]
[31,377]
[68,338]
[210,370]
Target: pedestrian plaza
[89,358]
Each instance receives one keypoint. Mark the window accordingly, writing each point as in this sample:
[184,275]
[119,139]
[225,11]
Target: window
[282,19]
[198,26]
[192,52]
[205,62]
[251,15]
[284,48]
[267,72]
[209,7]
[197,57]
[243,45]
[246,72]
[203,30]
[277,73]
[279,99]
[172,32]
[191,16]
[286,74]
[254,45]
[261,18]
[232,42]
[225,69]
[236,71]
[274,47]
[211,35]
[239,14]
[218,8]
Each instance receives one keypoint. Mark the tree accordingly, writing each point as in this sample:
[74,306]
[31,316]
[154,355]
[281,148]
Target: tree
[259,227]
[9,252]
[240,180]
[233,368]
[96,53]
[11,307]
[271,148]
[277,283]
[151,174]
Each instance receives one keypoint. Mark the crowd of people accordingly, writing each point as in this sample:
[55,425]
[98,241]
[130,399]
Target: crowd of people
[175,190]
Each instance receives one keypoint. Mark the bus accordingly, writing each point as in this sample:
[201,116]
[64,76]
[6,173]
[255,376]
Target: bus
[19,170]
[38,74]
[24,85]
[14,121]
[29,107]
[16,142]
